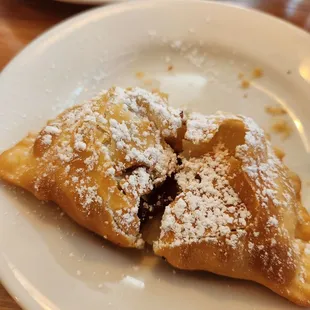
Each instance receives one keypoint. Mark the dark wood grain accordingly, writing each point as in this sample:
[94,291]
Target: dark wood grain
[6,301]
[23,20]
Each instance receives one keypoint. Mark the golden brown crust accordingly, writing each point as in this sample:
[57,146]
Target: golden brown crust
[239,212]
[96,160]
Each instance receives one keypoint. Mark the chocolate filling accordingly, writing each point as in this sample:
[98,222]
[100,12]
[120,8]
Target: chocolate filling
[156,201]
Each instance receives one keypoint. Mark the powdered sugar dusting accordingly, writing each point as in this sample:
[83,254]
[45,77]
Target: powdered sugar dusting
[52,130]
[47,139]
[115,138]
[202,128]
[88,195]
[264,168]
[208,209]
[47,134]
[138,183]
[144,102]
[272,221]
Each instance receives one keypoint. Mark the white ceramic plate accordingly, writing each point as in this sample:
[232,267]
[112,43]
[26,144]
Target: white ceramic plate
[46,261]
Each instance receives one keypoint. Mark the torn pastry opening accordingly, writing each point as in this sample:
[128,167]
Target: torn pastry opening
[145,159]
[152,207]
[147,180]
[193,157]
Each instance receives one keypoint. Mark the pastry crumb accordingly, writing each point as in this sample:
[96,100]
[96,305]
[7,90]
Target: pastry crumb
[275,110]
[257,73]
[140,75]
[245,84]
[279,153]
[282,127]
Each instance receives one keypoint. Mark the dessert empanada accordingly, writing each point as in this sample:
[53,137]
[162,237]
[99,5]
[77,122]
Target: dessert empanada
[238,211]
[97,159]
[208,192]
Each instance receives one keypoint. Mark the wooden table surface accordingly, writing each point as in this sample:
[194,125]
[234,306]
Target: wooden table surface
[23,20]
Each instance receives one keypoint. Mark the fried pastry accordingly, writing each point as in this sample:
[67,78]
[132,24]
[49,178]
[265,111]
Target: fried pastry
[208,192]
[238,212]
[97,159]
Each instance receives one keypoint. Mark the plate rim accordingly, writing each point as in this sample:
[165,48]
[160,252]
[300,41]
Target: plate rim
[135,5]
[22,297]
